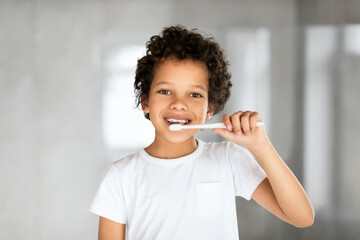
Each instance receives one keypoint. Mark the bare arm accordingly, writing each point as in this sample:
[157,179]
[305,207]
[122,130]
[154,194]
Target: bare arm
[281,193]
[110,230]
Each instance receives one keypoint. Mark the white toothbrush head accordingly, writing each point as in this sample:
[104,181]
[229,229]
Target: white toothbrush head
[175,127]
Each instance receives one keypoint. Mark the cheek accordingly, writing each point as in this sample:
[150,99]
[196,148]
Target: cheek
[157,104]
[201,110]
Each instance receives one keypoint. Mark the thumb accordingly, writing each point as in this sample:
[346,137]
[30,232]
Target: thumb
[225,133]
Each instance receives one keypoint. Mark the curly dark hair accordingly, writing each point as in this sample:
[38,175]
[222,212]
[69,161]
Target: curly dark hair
[179,43]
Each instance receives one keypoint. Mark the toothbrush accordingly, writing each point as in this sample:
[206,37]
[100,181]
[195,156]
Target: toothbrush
[178,127]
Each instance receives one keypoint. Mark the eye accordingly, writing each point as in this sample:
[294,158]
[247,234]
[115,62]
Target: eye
[196,95]
[163,91]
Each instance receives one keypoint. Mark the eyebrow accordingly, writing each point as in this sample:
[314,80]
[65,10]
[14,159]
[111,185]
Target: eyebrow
[167,83]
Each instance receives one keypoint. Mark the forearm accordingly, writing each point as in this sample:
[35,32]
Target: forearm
[289,193]
[285,196]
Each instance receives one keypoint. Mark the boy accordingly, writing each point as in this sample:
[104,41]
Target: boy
[180,187]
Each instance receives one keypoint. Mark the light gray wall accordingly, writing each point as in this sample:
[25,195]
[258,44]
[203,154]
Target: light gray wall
[52,81]
[50,135]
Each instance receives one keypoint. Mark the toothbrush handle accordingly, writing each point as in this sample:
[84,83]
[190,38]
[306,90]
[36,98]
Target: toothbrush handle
[222,125]
[202,126]
[213,125]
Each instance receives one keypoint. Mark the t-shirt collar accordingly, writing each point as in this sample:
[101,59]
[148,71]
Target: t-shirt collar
[174,161]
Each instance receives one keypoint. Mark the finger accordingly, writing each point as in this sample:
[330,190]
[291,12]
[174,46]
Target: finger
[227,122]
[225,133]
[254,118]
[235,120]
[245,122]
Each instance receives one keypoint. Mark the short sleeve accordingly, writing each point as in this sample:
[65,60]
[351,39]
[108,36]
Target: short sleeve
[109,199]
[247,173]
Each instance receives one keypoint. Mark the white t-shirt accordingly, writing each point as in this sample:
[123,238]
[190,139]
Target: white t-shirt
[192,197]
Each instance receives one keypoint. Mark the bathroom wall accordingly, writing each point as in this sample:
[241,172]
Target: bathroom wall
[63,81]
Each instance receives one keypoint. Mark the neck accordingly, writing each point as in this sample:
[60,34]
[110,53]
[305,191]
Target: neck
[161,148]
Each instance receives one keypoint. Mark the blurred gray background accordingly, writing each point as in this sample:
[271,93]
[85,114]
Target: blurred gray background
[67,104]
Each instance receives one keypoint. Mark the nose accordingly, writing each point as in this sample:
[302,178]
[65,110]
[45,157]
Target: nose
[178,104]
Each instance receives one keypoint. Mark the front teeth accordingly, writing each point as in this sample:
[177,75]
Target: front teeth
[176,121]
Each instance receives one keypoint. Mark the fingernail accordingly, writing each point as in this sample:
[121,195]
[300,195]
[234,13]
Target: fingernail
[253,130]
[238,133]
[228,127]
[247,134]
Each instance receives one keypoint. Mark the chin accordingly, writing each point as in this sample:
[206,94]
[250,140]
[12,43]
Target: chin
[181,136]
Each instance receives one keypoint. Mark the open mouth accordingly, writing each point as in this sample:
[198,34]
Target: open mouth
[171,121]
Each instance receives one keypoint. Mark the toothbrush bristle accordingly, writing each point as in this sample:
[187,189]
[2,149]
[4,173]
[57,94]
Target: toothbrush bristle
[175,127]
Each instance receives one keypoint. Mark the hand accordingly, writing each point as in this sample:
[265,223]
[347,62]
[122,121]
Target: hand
[242,130]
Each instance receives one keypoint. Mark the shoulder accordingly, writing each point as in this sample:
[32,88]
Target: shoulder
[223,146]
[211,146]
[123,165]
[216,150]
[125,160]
[228,150]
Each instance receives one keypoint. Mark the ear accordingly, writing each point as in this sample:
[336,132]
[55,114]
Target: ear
[144,104]
[210,112]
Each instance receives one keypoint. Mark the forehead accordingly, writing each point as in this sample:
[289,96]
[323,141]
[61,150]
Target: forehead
[181,71]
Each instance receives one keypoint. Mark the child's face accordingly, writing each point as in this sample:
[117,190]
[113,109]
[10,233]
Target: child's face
[178,93]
